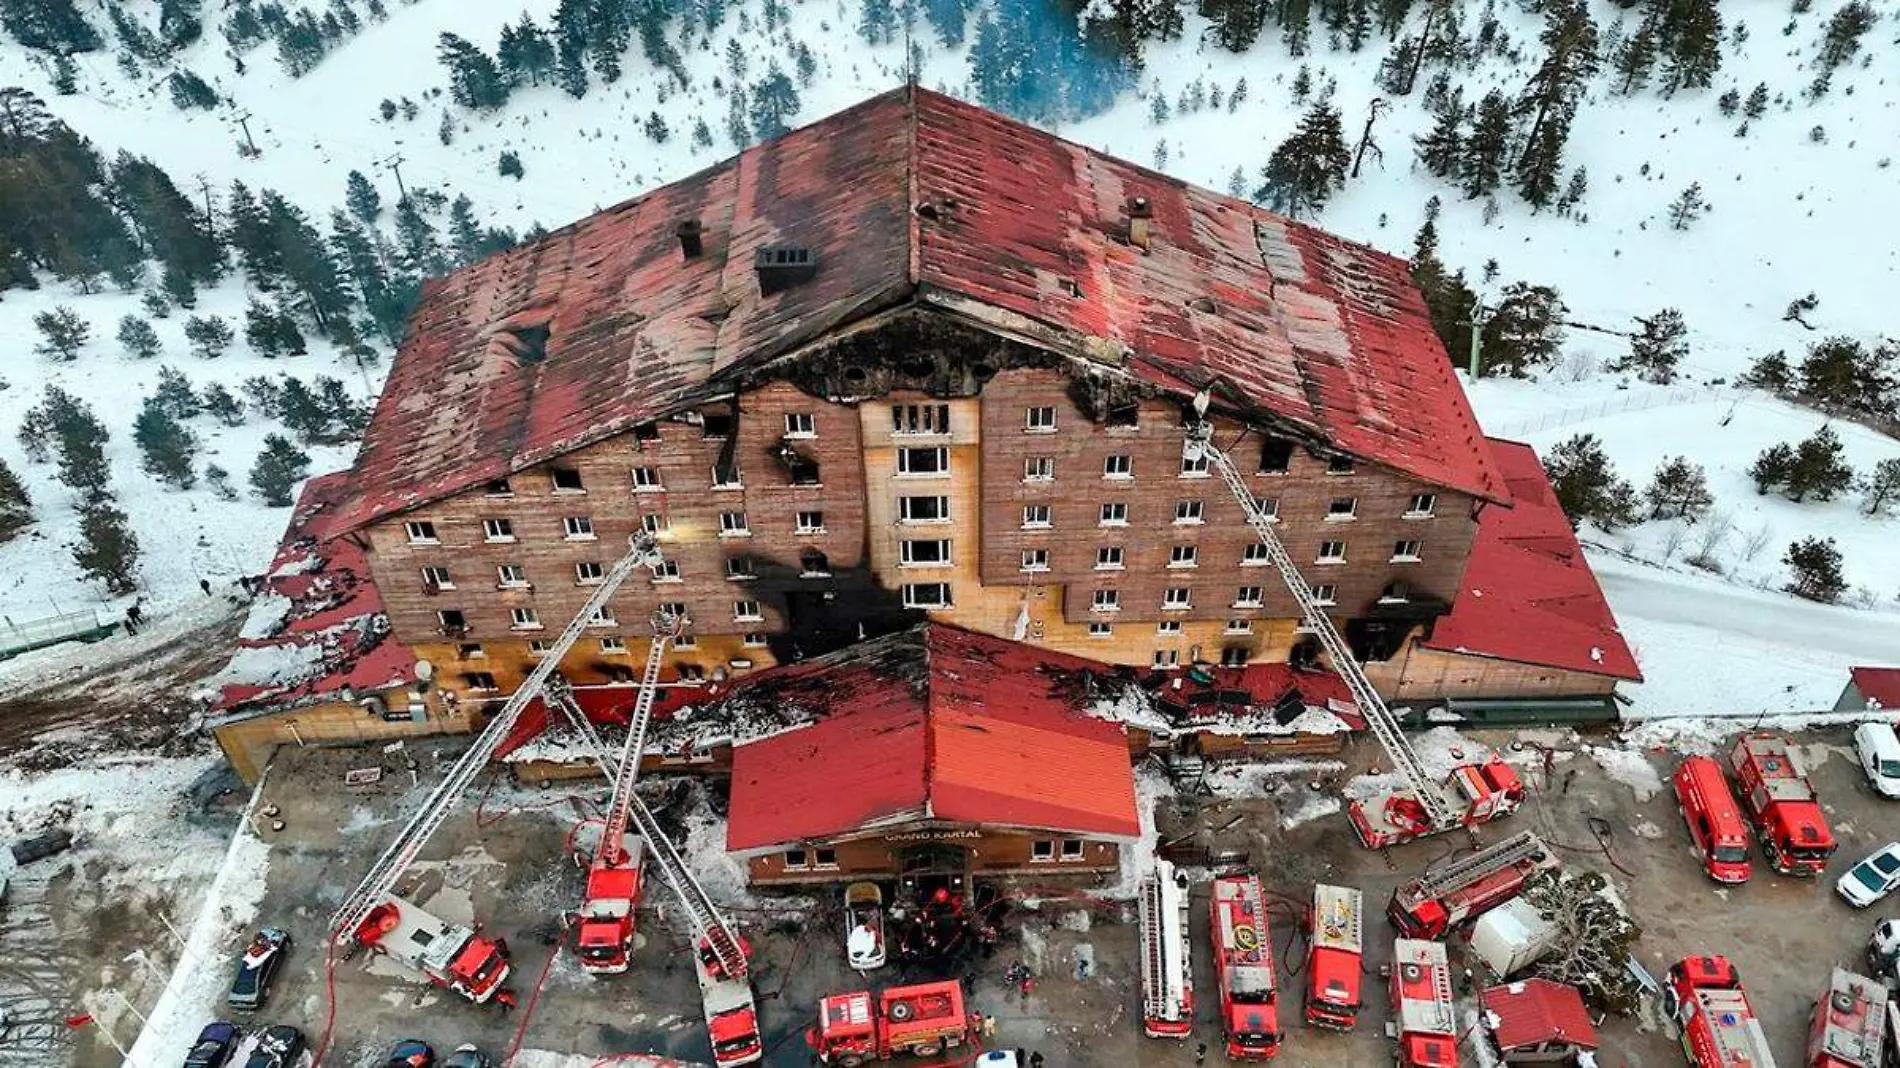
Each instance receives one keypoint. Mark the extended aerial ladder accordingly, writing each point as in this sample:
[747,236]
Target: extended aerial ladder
[373,910]
[1461,888]
[1424,808]
[1167,974]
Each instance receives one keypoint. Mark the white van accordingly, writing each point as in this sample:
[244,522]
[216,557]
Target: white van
[1879,751]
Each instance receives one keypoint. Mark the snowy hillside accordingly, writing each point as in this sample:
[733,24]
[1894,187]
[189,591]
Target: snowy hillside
[1800,204]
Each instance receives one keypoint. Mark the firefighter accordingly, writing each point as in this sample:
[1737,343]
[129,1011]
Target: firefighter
[505,999]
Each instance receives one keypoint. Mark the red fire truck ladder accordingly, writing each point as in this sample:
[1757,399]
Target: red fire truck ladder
[1454,874]
[389,868]
[1200,442]
[1163,914]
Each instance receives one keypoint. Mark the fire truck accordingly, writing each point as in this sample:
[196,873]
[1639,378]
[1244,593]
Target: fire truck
[1337,938]
[1475,793]
[1781,802]
[1850,1023]
[732,1021]
[448,955]
[1463,888]
[1704,996]
[1422,1017]
[1167,974]
[1243,966]
[921,1021]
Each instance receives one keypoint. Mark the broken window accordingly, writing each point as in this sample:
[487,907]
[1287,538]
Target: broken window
[453,621]
[602,617]
[480,680]
[1124,415]
[646,432]
[1234,656]
[566,480]
[613,645]
[1194,465]
[811,522]
[498,488]
[920,419]
[1276,455]
[1339,465]
[715,425]
[740,568]
[1397,591]
[511,576]
[1167,658]
[471,652]
[1342,508]
[726,476]
[813,564]
[1406,551]
[1042,849]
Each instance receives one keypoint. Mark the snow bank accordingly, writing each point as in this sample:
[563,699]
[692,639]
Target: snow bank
[266,617]
[272,665]
[1629,767]
[1138,857]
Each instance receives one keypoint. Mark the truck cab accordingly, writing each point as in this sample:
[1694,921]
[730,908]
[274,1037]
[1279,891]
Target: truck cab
[1333,965]
[924,1020]
[1782,803]
[1716,825]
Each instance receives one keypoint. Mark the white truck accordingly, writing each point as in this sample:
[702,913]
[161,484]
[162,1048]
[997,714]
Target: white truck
[1512,937]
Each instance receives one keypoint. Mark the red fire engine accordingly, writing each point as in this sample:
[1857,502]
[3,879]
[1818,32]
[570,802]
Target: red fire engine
[1780,800]
[922,1021]
[448,955]
[1421,1005]
[1475,793]
[726,999]
[1716,824]
[1719,1029]
[1243,965]
[1463,888]
[1337,938]
[1167,975]
[1850,1023]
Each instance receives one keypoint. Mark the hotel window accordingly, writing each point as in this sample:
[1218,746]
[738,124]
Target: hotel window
[1331,552]
[437,578]
[752,639]
[800,425]
[1342,508]
[1275,456]
[1040,419]
[1269,507]
[539,647]
[1176,598]
[824,858]
[919,462]
[1234,656]
[578,527]
[932,509]
[715,426]
[498,530]
[1115,514]
[1168,628]
[1108,558]
[603,617]
[1035,516]
[1339,465]
[676,609]
[646,432]
[480,680]
[732,525]
[511,576]
[471,652]
[920,419]
[691,673]
[686,640]
[452,620]
[1167,658]
[566,480]
[811,523]
[1255,555]
[1194,466]
[653,523]
[1184,556]
[1119,465]
[498,487]
[813,564]
[926,594]
[1039,469]
[740,569]
[1407,551]
[667,571]
[1072,849]
[524,619]
[646,480]
[934,552]
[1240,626]
[588,574]
[421,532]
[1042,849]
[797,858]
[1101,630]
[1187,512]
[613,645]
[746,611]
[1421,506]
[726,477]
[1035,559]
[1247,597]
[1106,601]
[1396,592]
[1325,594]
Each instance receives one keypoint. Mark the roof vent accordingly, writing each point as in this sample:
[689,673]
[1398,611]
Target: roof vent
[1140,218]
[784,266]
[526,342]
[689,234]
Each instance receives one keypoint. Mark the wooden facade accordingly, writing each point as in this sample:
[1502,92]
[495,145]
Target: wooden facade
[249,741]
[989,851]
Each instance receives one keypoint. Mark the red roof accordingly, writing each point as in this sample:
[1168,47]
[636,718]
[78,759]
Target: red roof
[911,198]
[1537,1010]
[1880,686]
[1529,595]
[935,723]
[317,628]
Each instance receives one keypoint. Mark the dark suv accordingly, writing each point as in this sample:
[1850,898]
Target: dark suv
[251,988]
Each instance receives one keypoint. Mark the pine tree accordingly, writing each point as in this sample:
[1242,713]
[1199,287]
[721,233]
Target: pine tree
[362,198]
[347,417]
[175,395]
[1448,298]
[774,100]
[1841,41]
[1236,22]
[465,233]
[1525,331]
[474,79]
[138,338]
[1441,151]
[877,23]
[1487,146]
[220,482]
[1656,348]
[1574,191]
[1552,96]
[1689,36]
[1840,374]
[525,52]
[304,414]
[249,232]
[1757,103]
[509,165]
[63,333]
[1881,485]
[262,330]
[155,305]
[1772,467]
[1309,166]
[280,466]
[1635,58]
[168,449]
[62,422]
[702,134]
[1594,937]
[1680,490]
[16,505]
[1820,469]
[1687,207]
[209,336]
[188,91]
[107,551]
[948,18]
[420,249]
[54,26]
[1814,567]
[1586,484]
[220,404]
[1771,373]
[656,128]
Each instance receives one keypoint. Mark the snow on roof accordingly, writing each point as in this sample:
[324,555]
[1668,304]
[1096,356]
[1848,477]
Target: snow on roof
[1528,594]
[1879,685]
[911,198]
[1533,1011]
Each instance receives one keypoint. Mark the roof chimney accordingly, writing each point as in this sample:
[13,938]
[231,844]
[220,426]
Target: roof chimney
[781,267]
[1140,217]
[690,244]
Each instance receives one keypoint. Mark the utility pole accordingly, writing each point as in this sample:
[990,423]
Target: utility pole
[394,163]
[244,123]
[211,220]
[1476,323]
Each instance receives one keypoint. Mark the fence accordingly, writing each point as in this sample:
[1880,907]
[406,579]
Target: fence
[17,638]
[1632,403]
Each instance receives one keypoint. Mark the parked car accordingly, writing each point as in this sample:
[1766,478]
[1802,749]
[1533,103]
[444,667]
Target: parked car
[1883,951]
[467,1056]
[251,988]
[864,926]
[278,1046]
[214,1046]
[1873,878]
[1879,749]
[1001,1058]
[411,1053]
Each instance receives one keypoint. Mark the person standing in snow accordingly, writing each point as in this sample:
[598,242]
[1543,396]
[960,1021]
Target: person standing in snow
[205,585]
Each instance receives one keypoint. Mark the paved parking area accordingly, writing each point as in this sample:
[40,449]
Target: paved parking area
[508,867]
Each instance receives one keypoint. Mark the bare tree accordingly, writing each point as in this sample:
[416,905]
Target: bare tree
[1672,541]
[1595,939]
[1757,541]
